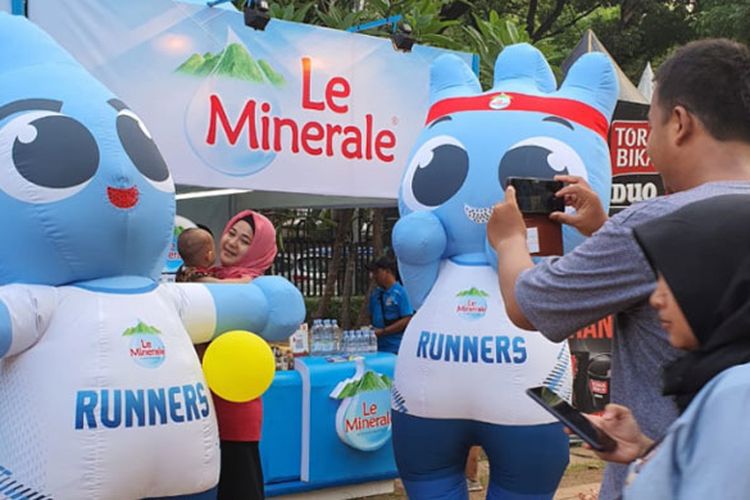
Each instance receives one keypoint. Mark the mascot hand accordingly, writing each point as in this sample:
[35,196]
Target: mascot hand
[286,307]
[419,240]
[269,305]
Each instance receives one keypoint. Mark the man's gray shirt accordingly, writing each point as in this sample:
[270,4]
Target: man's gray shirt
[608,274]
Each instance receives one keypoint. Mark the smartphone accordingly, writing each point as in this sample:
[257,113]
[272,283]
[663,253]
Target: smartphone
[537,196]
[572,418]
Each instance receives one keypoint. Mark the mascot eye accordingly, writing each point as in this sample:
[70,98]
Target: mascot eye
[436,172]
[142,150]
[46,157]
[542,157]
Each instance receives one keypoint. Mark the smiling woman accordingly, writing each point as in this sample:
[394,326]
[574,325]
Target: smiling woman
[247,248]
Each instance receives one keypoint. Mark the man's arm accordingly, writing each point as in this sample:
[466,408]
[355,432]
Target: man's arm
[606,274]
[397,326]
[506,232]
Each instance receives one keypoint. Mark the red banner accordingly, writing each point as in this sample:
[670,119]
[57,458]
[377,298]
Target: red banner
[627,146]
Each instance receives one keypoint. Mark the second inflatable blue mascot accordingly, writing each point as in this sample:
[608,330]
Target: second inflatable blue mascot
[463,367]
[101,391]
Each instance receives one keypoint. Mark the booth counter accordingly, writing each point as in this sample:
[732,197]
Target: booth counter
[311,440]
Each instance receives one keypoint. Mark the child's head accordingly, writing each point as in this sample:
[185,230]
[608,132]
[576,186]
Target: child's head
[196,247]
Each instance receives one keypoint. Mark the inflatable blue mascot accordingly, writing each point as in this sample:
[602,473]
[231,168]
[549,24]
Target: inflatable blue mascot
[463,367]
[101,392]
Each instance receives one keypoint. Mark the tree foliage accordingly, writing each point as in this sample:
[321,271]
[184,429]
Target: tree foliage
[723,18]
[634,31]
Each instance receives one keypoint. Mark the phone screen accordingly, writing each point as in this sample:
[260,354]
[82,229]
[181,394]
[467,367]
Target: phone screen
[572,418]
[537,196]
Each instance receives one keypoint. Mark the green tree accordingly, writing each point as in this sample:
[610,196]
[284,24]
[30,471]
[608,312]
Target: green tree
[719,18]
[637,32]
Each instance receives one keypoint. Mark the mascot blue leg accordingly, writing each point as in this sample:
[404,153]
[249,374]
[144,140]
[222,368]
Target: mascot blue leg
[526,462]
[430,456]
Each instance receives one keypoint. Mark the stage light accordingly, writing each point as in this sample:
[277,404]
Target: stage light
[401,38]
[256,14]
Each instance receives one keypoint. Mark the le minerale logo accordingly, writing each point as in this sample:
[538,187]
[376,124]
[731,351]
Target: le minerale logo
[363,420]
[471,304]
[264,130]
[146,348]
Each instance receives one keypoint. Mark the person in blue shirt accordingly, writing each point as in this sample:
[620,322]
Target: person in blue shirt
[390,309]
[701,254]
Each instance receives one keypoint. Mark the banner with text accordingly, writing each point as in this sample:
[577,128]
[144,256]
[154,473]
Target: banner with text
[634,177]
[295,108]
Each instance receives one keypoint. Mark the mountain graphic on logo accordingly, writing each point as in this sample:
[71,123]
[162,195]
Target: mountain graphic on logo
[473,292]
[141,327]
[234,62]
[370,381]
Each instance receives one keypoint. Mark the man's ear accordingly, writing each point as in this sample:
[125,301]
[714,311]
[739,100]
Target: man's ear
[684,123]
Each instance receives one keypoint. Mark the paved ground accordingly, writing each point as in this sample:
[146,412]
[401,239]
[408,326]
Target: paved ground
[581,480]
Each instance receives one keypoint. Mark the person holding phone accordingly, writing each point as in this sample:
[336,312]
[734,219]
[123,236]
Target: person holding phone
[700,144]
[701,254]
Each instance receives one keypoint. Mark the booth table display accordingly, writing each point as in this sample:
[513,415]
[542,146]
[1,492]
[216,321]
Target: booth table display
[306,446]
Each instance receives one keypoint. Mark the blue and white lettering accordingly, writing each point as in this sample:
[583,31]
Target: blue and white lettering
[496,349]
[113,408]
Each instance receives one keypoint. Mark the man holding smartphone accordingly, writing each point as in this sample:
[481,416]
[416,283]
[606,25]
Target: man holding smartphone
[700,144]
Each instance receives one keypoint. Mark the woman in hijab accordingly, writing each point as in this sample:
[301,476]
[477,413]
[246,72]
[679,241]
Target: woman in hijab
[701,254]
[246,250]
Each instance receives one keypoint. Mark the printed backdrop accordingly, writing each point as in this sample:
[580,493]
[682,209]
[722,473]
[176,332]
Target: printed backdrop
[294,108]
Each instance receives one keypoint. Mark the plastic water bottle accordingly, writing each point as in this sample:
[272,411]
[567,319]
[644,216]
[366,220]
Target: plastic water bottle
[353,342]
[346,342]
[315,338]
[331,338]
[361,342]
[373,340]
[325,338]
[329,344]
[335,336]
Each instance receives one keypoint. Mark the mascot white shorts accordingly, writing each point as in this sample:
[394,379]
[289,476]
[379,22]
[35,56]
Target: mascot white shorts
[462,358]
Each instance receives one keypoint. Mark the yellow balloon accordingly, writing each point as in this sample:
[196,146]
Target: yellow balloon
[239,366]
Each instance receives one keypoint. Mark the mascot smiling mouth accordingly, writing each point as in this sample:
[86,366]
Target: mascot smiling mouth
[478,215]
[123,198]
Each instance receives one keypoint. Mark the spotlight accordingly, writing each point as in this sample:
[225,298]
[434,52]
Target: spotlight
[402,39]
[256,14]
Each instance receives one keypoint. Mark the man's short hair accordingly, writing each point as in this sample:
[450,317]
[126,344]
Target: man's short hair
[711,79]
[383,263]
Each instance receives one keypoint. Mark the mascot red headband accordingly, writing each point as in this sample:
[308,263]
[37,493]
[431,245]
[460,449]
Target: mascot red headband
[568,109]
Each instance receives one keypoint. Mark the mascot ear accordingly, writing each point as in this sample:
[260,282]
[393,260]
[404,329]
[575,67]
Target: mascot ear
[522,68]
[451,77]
[592,80]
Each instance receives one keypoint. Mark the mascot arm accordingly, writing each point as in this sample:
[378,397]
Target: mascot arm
[420,240]
[269,306]
[25,312]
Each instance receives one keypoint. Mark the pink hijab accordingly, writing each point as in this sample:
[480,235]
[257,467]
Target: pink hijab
[260,253]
